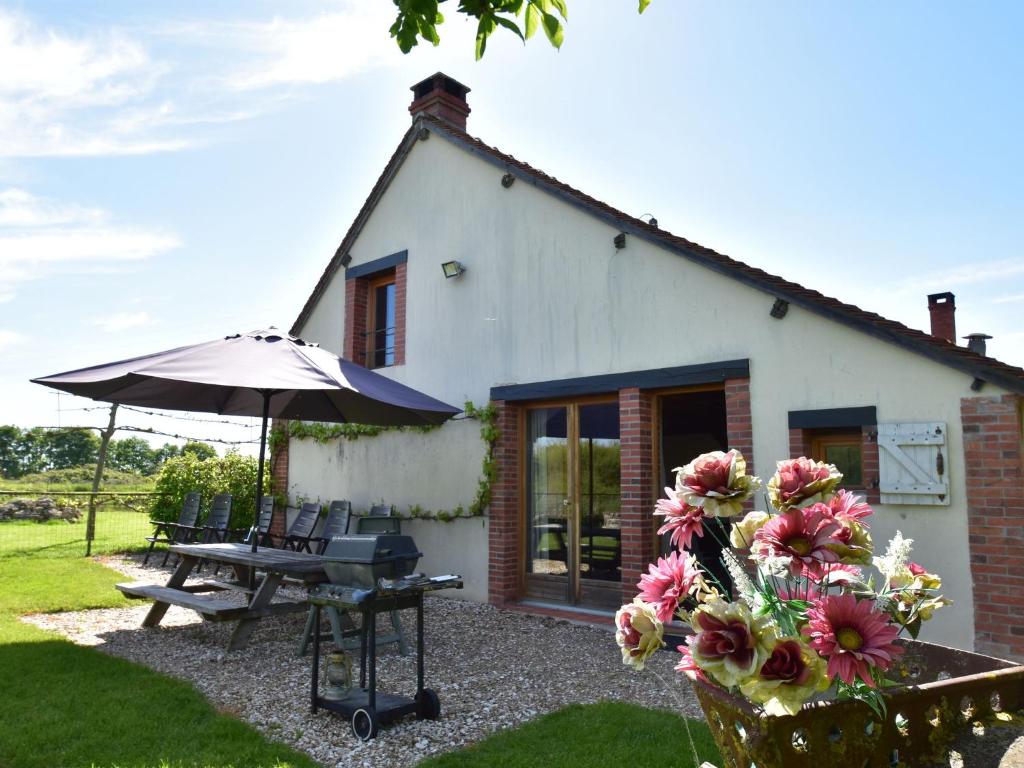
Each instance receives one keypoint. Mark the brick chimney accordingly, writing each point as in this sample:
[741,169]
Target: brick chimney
[942,308]
[441,96]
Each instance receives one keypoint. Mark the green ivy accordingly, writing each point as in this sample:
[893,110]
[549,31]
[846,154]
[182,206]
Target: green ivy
[489,433]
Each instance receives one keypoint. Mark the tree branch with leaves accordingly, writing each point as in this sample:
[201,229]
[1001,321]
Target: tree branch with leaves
[419,19]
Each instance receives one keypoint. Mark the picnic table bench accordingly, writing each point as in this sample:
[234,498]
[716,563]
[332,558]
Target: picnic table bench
[258,575]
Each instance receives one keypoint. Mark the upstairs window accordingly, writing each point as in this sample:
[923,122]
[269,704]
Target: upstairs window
[380,334]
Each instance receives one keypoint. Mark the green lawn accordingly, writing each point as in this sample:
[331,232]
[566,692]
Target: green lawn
[64,705]
[117,530]
[606,735]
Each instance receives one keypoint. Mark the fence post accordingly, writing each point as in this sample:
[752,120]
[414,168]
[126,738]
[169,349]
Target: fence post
[101,460]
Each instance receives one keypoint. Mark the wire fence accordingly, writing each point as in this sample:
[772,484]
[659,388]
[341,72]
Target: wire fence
[57,523]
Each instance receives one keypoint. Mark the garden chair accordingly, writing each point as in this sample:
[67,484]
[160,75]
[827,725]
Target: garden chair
[181,532]
[301,529]
[338,516]
[264,539]
[215,529]
[380,519]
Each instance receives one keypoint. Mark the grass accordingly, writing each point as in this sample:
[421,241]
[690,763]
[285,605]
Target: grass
[117,530]
[65,705]
[605,735]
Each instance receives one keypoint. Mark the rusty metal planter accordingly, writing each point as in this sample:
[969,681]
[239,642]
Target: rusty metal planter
[944,690]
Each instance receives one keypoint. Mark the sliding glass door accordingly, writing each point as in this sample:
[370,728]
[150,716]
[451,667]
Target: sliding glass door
[572,510]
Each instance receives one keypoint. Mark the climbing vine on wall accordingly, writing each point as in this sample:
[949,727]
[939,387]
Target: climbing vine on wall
[486,415]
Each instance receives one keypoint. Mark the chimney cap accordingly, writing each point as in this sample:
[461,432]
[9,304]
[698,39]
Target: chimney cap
[439,81]
[981,336]
[940,298]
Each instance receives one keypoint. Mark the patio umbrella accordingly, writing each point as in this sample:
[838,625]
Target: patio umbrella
[263,373]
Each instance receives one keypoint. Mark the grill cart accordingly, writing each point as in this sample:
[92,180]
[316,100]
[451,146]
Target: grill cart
[372,574]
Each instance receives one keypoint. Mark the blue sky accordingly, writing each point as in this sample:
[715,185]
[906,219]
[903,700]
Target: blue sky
[170,173]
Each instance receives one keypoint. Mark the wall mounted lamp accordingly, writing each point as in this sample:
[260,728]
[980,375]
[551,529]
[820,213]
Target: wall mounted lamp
[779,309]
[452,269]
[620,241]
[508,180]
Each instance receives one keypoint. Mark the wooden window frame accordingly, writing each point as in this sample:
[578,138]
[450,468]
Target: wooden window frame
[372,284]
[822,438]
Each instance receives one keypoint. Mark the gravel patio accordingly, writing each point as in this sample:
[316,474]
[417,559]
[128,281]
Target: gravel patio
[493,670]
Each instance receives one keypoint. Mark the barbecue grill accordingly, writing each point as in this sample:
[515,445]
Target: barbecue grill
[361,560]
[373,574]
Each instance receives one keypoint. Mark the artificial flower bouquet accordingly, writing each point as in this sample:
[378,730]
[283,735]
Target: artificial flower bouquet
[804,620]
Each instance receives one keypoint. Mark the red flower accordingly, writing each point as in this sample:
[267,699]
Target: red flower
[683,520]
[853,635]
[803,535]
[668,582]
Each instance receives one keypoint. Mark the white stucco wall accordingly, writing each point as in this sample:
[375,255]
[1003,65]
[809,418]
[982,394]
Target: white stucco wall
[547,296]
[434,470]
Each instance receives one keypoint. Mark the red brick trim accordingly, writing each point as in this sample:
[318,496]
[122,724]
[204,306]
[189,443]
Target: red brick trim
[739,424]
[800,445]
[637,483]
[357,297]
[504,538]
[994,457]
[400,279]
[279,477]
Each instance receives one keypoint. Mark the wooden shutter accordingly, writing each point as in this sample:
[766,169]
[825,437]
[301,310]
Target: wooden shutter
[912,463]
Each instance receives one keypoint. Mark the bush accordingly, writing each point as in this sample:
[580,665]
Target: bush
[80,479]
[232,474]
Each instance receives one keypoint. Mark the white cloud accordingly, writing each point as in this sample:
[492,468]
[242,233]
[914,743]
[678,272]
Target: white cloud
[59,93]
[40,238]
[122,321]
[1013,299]
[100,91]
[966,274]
[321,49]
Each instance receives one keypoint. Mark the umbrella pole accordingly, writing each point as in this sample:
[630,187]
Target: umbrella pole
[259,471]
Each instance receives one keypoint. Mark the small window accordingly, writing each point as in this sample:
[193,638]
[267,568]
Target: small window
[381,323]
[844,449]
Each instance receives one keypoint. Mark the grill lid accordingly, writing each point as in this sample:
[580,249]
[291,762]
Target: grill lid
[372,549]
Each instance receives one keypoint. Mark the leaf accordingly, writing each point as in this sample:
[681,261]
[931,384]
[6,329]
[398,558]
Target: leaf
[914,627]
[562,9]
[532,20]
[643,5]
[553,29]
[509,24]
[483,31]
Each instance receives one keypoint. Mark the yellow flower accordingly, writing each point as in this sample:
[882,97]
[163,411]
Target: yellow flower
[742,534]
[791,675]
[638,632]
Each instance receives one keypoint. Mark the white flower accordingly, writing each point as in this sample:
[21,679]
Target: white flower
[740,580]
[777,565]
[894,561]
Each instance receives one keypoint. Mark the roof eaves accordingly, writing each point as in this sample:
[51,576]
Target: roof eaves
[383,182]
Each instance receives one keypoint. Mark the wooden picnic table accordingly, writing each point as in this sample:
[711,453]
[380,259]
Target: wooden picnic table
[258,575]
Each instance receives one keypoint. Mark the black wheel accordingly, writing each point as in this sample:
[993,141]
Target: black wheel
[428,706]
[364,724]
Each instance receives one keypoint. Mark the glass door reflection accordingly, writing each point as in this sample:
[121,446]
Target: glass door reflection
[549,503]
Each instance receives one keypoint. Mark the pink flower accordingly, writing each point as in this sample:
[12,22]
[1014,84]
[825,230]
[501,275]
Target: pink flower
[668,582]
[717,482]
[836,573]
[683,520]
[730,643]
[853,635]
[915,569]
[638,633]
[801,534]
[800,482]
[847,506]
[787,664]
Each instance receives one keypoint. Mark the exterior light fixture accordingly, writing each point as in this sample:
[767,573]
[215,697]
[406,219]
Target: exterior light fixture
[452,269]
[779,309]
[508,180]
[620,241]
[346,259]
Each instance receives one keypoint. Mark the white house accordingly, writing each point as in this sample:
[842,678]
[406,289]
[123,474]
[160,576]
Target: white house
[614,351]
